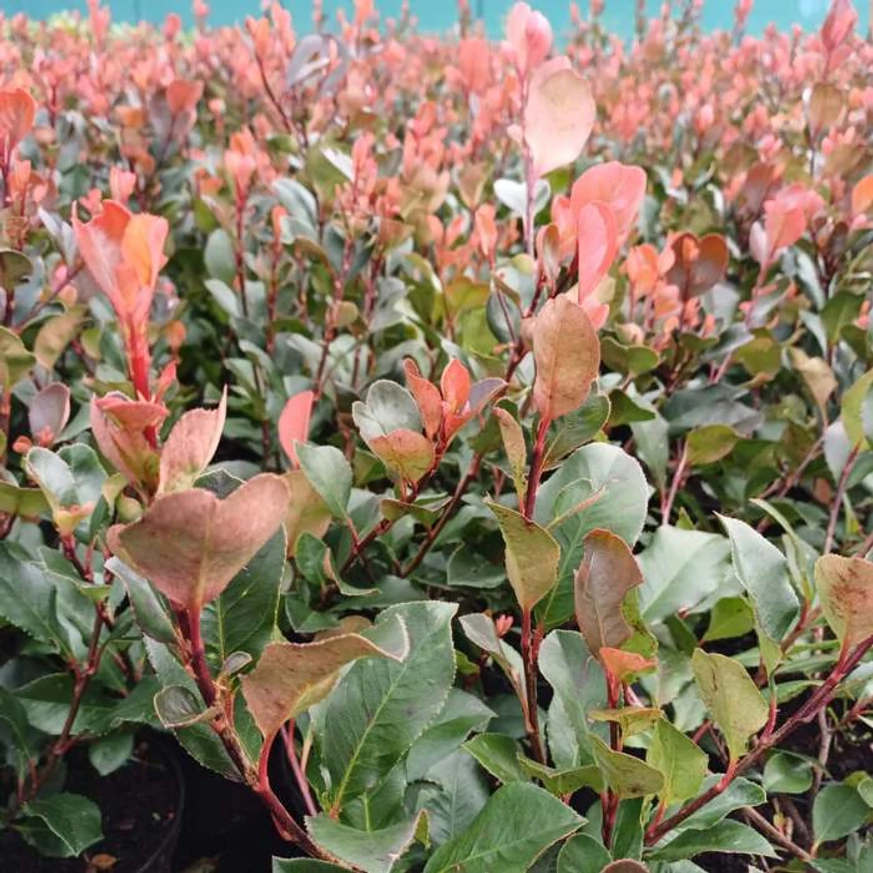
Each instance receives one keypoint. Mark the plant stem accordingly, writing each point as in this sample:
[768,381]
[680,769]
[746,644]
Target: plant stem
[807,712]
[436,530]
[296,769]
[536,468]
[529,657]
[838,499]
[757,821]
[678,478]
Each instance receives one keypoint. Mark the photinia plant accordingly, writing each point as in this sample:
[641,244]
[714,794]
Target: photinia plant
[466,448]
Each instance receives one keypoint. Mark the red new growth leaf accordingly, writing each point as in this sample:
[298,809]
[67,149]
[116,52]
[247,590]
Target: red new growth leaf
[124,430]
[455,386]
[294,423]
[620,187]
[427,398]
[17,111]
[124,254]
[190,545]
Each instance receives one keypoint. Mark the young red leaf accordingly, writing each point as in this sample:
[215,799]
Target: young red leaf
[427,398]
[190,446]
[621,187]
[294,423]
[567,355]
[190,544]
[455,385]
[17,111]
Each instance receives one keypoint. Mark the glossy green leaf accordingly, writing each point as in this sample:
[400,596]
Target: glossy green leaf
[763,571]
[376,851]
[582,854]
[61,826]
[728,837]
[498,754]
[838,810]
[516,826]
[329,473]
[379,708]
[625,774]
[680,759]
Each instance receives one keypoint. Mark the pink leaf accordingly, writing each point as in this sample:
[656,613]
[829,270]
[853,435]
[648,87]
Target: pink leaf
[558,117]
[427,398]
[598,246]
[621,187]
[49,412]
[294,423]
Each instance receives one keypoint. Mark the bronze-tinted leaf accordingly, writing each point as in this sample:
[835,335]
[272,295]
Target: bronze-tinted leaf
[190,446]
[845,588]
[190,544]
[567,355]
[607,574]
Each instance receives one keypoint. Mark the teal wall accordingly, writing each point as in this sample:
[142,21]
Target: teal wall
[440,15]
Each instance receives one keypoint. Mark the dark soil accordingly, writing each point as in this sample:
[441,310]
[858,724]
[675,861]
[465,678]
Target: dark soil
[139,803]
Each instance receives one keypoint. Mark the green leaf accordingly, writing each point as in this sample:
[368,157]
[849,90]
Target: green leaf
[61,826]
[15,732]
[710,443]
[375,851]
[462,714]
[681,569]
[730,617]
[729,837]
[852,413]
[580,686]
[607,575]
[516,826]
[563,782]
[498,754]
[785,773]
[15,361]
[532,555]
[28,502]
[838,810]
[740,793]
[599,486]
[515,448]
[680,759]
[763,571]
[845,589]
[453,795]
[379,708]
[111,752]
[731,697]
[29,598]
[329,473]
[152,615]
[179,707]
[582,854]
[199,740]
[577,429]
[219,256]
[626,775]
[303,865]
